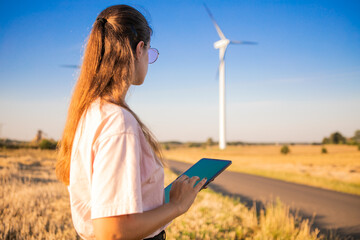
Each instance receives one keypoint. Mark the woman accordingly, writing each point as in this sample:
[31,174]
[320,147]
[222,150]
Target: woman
[108,158]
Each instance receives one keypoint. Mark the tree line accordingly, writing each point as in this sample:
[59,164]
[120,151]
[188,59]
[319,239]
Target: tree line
[338,138]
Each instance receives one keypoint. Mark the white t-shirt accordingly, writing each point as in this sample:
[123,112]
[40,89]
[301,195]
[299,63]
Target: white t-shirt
[113,170]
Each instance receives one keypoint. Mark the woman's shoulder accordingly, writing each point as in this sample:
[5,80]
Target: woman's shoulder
[111,119]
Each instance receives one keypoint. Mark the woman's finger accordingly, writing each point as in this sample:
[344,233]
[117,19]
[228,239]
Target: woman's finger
[200,184]
[193,180]
[182,178]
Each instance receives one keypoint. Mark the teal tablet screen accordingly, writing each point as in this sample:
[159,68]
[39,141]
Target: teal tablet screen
[206,167]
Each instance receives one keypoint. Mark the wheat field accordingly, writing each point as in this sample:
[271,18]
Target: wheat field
[34,205]
[338,169]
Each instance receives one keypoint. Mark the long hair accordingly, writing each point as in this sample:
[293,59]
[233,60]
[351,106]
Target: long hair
[106,72]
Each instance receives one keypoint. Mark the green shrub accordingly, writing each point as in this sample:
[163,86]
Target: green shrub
[324,150]
[195,144]
[285,149]
[47,144]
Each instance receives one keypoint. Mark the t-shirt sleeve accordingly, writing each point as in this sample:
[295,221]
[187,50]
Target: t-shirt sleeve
[116,180]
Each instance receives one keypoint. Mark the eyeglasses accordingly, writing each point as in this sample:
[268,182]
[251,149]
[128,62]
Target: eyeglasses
[153,55]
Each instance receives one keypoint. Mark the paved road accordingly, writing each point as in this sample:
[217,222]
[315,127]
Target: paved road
[333,210]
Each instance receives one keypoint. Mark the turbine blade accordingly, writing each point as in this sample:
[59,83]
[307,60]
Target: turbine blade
[243,42]
[69,66]
[220,33]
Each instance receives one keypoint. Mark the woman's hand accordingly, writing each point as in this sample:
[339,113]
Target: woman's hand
[183,192]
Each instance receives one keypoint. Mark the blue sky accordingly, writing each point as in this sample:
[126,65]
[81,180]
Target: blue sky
[300,83]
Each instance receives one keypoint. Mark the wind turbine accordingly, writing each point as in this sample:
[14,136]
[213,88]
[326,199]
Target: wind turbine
[222,44]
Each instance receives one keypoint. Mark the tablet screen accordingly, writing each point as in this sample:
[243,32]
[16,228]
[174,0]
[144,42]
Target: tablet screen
[206,167]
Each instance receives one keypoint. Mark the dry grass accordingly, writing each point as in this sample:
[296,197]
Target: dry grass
[214,216]
[34,205]
[338,170]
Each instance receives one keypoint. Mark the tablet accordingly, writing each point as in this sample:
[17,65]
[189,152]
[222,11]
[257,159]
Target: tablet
[205,167]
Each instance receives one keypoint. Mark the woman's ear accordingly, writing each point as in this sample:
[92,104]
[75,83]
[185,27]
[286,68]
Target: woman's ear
[140,49]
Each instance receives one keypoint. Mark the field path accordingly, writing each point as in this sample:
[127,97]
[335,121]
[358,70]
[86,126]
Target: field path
[333,210]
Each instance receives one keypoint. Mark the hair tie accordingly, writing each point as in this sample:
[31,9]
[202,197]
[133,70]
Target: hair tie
[102,20]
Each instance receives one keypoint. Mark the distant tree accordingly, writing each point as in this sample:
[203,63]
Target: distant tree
[209,142]
[323,150]
[47,144]
[285,149]
[194,144]
[326,140]
[356,137]
[237,143]
[337,138]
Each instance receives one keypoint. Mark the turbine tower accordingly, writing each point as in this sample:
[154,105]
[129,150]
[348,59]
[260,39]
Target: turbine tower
[222,44]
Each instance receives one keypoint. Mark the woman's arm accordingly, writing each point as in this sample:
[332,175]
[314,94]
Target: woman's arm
[140,225]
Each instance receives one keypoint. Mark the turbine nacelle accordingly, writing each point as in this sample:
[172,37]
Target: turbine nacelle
[221,43]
